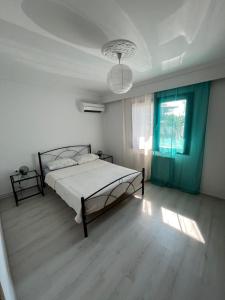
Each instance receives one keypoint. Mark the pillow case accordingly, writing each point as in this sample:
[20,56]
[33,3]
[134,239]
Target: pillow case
[61,163]
[85,158]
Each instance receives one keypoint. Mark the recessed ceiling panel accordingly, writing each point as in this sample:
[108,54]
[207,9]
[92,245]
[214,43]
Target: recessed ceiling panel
[64,23]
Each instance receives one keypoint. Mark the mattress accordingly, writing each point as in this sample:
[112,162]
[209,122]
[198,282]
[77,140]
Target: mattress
[75,182]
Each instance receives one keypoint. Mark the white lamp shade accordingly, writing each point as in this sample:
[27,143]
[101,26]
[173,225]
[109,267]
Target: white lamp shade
[120,79]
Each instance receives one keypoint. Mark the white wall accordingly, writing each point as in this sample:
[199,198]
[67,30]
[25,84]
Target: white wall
[35,119]
[213,177]
[5,276]
[113,130]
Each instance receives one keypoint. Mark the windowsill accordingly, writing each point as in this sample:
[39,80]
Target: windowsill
[166,155]
[159,154]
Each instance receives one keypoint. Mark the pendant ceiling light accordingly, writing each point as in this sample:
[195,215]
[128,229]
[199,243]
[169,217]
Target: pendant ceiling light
[119,78]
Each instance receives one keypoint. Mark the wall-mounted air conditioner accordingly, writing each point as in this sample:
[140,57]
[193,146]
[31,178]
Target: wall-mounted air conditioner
[92,107]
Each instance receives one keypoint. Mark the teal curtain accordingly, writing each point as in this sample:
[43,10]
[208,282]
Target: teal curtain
[180,118]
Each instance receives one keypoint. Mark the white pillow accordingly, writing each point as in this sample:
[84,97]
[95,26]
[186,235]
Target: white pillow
[85,158]
[61,163]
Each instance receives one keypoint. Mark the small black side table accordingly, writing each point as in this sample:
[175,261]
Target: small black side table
[26,186]
[106,157]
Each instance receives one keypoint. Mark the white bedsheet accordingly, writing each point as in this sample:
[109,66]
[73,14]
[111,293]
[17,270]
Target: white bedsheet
[75,182]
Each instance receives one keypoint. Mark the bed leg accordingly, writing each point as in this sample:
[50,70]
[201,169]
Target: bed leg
[41,170]
[84,217]
[143,182]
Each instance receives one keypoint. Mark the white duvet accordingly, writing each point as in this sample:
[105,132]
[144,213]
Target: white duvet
[75,182]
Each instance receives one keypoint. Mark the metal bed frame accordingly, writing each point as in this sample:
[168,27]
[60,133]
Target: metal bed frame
[72,151]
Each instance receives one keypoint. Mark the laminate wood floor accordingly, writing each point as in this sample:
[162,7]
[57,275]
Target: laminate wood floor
[170,245]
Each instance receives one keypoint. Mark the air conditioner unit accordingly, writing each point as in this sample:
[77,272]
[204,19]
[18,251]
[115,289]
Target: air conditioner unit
[92,107]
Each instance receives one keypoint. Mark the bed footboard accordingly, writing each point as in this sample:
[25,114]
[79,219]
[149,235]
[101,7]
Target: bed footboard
[112,194]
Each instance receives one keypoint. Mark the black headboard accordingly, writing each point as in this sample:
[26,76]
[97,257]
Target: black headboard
[57,153]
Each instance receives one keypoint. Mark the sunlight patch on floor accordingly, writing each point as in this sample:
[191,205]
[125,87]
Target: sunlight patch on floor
[146,207]
[182,223]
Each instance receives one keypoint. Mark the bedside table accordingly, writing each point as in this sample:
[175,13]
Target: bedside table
[26,186]
[106,157]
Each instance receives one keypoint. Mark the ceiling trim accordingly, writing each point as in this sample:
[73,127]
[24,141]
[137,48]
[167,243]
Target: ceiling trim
[172,80]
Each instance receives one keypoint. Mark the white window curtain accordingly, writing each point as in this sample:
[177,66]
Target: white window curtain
[137,133]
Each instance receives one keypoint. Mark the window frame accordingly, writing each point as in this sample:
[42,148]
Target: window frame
[188,120]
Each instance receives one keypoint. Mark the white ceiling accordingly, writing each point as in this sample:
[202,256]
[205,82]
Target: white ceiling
[61,40]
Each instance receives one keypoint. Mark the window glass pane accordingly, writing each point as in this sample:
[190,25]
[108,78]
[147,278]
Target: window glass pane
[172,122]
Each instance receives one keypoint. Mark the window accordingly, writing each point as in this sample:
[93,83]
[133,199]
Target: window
[141,125]
[173,126]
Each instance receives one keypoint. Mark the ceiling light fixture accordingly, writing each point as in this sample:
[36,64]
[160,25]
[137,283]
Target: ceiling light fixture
[119,78]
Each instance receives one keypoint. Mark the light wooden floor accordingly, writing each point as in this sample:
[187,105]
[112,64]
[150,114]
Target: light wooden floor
[171,245]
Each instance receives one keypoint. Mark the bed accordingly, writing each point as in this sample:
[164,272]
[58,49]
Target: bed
[90,188]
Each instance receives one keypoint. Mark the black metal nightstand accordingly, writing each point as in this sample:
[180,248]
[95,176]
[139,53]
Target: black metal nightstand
[106,157]
[26,186]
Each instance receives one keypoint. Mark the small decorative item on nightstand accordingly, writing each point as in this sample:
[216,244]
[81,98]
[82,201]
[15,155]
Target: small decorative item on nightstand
[99,153]
[26,186]
[106,157]
[23,170]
